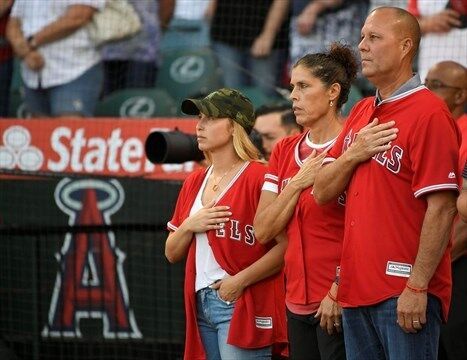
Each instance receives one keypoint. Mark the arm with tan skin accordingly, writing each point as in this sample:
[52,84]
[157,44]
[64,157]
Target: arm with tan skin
[166,11]
[332,179]
[434,237]
[264,42]
[5,5]
[14,33]
[231,288]
[440,22]
[329,312]
[307,18]
[210,10]
[274,211]
[75,17]
[210,217]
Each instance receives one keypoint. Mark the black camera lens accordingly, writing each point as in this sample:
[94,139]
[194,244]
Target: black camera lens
[172,147]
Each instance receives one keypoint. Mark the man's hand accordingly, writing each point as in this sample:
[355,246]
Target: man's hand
[262,46]
[34,60]
[411,310]
[330,313]
[371,140]
[441,22]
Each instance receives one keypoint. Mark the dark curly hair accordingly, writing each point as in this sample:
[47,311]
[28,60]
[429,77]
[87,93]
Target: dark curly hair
[337,65]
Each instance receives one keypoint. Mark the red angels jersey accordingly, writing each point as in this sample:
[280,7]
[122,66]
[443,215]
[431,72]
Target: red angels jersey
[258,319]
[315,233]
[385,205]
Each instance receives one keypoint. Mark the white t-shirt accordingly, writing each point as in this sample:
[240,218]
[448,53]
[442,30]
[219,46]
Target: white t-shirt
[65,59]
[190,9]
[208,270]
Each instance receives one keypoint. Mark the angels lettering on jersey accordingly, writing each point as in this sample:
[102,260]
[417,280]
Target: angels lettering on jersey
[234,230]
[390,159]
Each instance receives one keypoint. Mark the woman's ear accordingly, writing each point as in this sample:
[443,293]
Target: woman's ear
[334,91]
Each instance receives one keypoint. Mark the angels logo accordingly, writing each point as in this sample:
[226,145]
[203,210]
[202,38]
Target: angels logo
[90,282]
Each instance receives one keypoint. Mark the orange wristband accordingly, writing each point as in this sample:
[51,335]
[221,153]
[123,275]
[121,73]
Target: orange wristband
[415,289]
[332,297]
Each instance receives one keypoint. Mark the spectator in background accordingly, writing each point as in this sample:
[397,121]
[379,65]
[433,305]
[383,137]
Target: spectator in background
[320,86]
[249,38]
[273,123]
[60,66]
[316,24]
[444,32]
[448,80]
[189,27]
[397,160]
[396,3]
[133,62]
[6,59]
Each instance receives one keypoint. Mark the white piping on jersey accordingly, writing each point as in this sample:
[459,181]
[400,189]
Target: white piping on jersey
[434,188]
[229,185]
[400,96]
[268,186]
[328,160]
[327,145]
[171,226]
[271,177]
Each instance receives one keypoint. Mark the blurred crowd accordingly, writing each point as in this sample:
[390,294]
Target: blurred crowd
[48,61]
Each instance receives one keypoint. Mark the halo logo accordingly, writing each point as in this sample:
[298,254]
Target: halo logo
[187,69]
[90,282]
[17,151]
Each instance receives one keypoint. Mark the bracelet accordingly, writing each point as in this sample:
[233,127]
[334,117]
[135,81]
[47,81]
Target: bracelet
[415,289]
[332,297]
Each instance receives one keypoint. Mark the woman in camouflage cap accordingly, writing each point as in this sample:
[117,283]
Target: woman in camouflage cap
[234,291]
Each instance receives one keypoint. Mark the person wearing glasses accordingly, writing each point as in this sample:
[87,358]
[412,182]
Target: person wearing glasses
[448,80]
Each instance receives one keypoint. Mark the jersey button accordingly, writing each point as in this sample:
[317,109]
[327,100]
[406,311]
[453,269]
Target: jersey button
[356,193]
[352,223]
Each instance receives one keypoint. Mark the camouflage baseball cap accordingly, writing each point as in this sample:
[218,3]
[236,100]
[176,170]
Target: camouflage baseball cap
[222,103]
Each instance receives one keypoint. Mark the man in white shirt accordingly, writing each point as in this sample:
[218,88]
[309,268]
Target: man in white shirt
[60,66]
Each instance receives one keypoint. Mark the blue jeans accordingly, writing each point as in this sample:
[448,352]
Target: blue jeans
[372,333]
[78,96]
[240,69]
[214,316]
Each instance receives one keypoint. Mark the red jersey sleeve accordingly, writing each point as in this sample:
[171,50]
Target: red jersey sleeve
[434,154]
[180,207]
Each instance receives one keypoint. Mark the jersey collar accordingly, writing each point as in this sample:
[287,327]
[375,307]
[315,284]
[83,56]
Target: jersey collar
[409,87]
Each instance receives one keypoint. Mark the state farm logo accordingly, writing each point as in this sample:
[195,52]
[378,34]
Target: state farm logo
[17,151]
[187,69]
[75,150]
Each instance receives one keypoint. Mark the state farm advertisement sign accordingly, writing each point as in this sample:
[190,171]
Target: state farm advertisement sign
[109,147]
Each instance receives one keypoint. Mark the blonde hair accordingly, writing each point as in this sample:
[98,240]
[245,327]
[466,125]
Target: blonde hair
[242,144]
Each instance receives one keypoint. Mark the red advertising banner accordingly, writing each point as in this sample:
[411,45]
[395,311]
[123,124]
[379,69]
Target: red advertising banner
[104,146]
